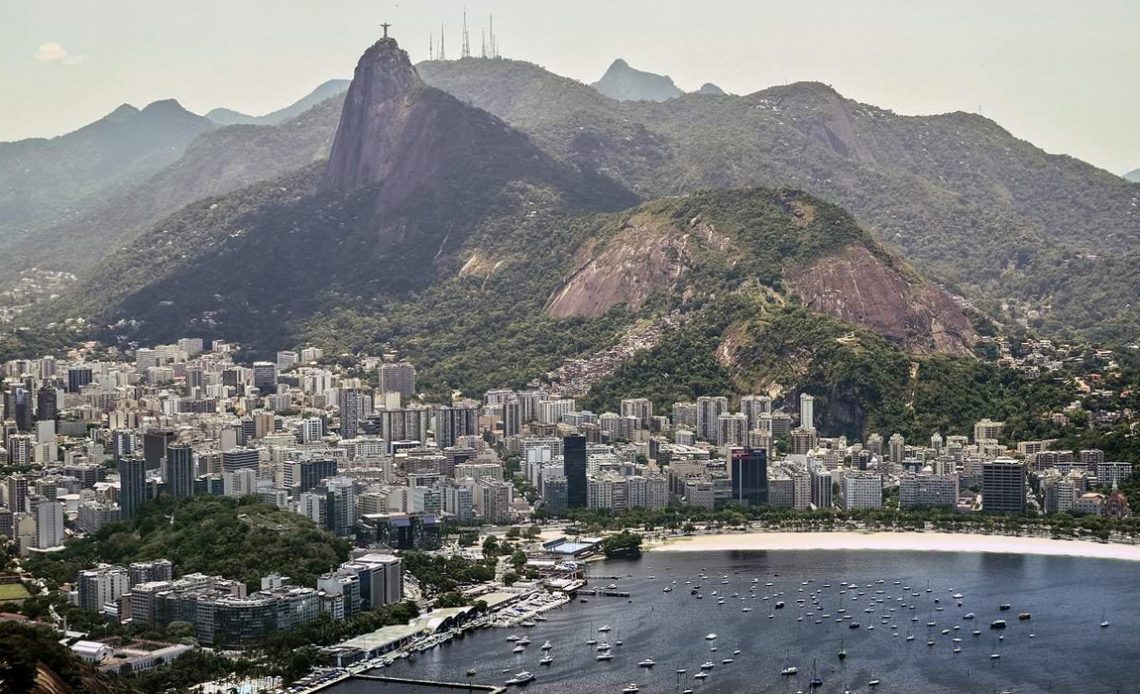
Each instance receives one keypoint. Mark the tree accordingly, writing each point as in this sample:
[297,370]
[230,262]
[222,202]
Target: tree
[510,578]
[451,599]
[624,543]
[180,631]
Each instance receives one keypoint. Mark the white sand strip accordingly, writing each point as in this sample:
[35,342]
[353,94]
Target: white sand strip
[889,541]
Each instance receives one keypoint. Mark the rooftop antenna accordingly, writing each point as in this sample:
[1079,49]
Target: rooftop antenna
[465,52]
[442,48]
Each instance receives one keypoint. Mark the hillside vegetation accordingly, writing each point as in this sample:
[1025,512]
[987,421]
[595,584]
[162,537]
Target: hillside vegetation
[240,539]
[746,343]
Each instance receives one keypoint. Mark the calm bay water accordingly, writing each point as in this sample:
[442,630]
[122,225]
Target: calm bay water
[1069,651]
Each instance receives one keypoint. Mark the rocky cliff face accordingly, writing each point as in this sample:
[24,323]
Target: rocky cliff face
[796,246]
[404,141]
[859,288]
[376,120]
[642,258]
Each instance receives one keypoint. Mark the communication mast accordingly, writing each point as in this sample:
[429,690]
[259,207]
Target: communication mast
[494,45]
[465,52]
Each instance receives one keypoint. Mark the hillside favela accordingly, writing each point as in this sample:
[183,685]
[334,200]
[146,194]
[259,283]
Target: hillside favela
[364,347]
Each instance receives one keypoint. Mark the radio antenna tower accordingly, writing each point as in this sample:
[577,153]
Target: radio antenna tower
[442,48]
[431,46]
[483,34]
[466,50]
[494,44]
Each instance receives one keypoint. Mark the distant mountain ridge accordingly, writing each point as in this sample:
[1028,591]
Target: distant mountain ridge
[624,83]
[327,90]
[1133,176]
[711,89]
[45,180]
[219,161]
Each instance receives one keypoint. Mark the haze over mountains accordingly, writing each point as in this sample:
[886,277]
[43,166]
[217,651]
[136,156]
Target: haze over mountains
[225,116]
[45,180]
[549,220]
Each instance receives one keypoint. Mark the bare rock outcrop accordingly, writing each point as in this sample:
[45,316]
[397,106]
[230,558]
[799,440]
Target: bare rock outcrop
[858,287]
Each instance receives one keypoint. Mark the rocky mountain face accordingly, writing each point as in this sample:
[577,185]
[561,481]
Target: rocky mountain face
[377,119]
[624,83]
[1133,176]
[794,246]
[45,180]
[711,89]
[327,90]
[858,287]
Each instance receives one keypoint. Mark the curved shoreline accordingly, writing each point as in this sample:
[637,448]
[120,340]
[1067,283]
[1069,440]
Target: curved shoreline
[897,542]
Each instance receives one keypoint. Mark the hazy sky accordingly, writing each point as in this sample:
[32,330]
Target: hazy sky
[1063,75]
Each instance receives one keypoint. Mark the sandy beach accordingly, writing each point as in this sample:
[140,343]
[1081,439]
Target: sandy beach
[889,541]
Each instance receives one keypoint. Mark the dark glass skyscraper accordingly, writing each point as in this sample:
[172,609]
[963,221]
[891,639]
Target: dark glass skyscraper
[574,464]
[18,407]
[351,412]
[314,471]
[749,473]
[132,482]
[180,470]
[155,443]
[46,408]
[453,422]
[77,377]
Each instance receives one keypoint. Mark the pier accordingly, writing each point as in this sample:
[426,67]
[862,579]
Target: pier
[605,593]
[469,686]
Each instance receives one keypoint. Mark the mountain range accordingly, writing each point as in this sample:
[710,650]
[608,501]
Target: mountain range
[46,180]
[412,173]
[992,217]
[1133,176]
[225,116]
[495,222]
